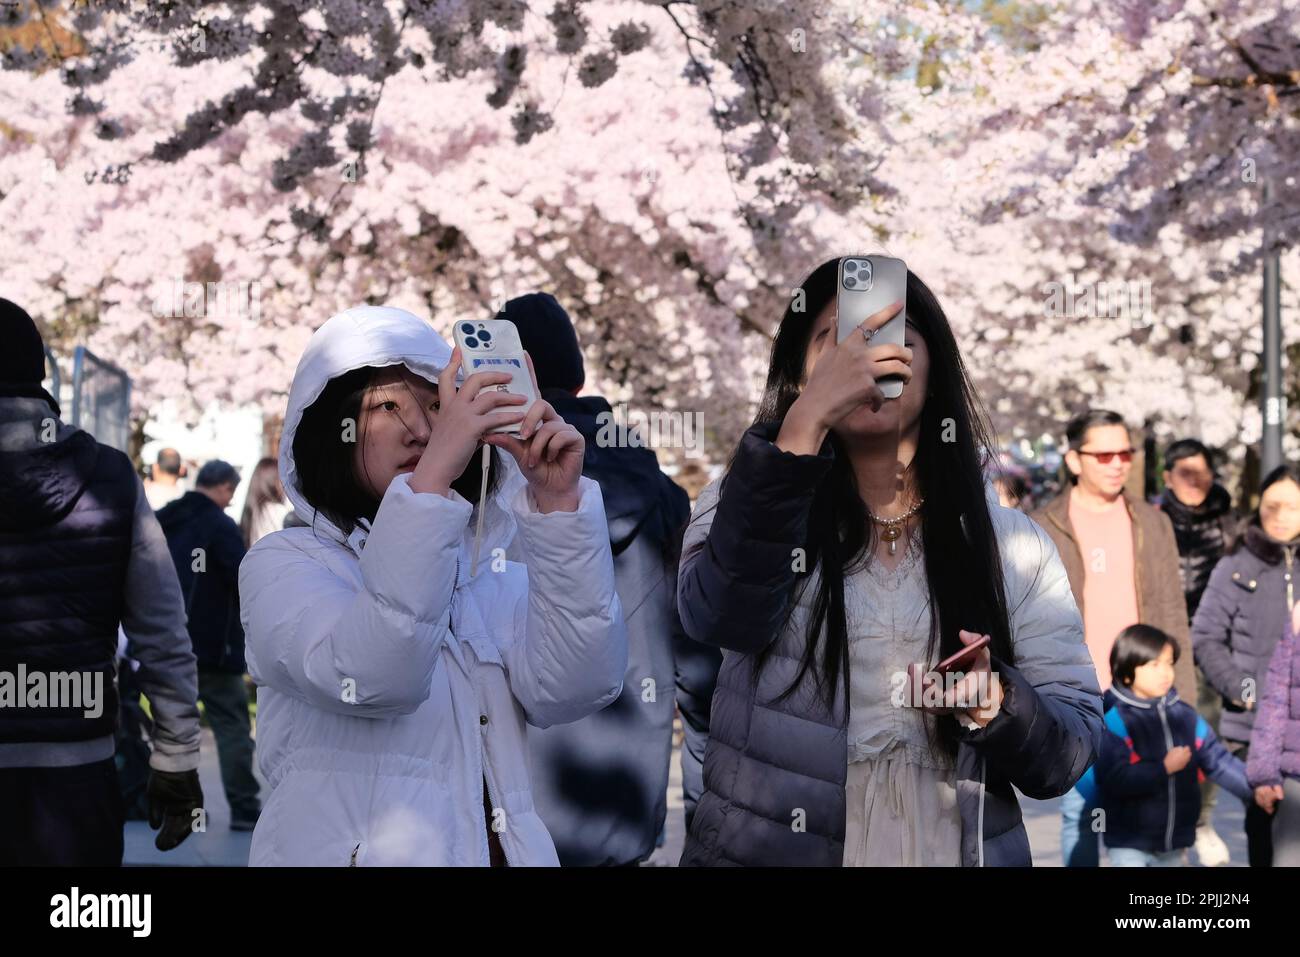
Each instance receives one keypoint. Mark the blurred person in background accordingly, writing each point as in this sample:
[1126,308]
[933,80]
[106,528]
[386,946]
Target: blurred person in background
[1152,755]
[265,507]
[601,783]
[1204,524]
[693,477]
[1201,512]
[1012,485]
[207,547]
[164,482]
[80,553]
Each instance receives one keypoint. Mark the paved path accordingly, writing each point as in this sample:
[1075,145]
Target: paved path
[218,846]
[221,847]
[1043,823]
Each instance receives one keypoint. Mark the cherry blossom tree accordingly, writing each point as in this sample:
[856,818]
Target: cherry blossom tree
[1116,147]
[669,170]
[670,235]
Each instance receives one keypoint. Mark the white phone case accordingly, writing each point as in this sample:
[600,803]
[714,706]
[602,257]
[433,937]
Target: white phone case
[865,285]
[492,345]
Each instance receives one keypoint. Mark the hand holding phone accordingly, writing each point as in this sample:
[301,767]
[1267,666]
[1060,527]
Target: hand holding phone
[975,690]
[866,285]
[465,414]
[493,345]
[548,450]
[965,659]
[844,378]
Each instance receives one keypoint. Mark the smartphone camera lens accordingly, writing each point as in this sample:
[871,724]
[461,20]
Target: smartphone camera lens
[467,328]
[851,266]
[850,281]
[471,342]
[485,335]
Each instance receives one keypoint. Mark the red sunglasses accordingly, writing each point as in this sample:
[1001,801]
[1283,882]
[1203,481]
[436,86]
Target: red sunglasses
[1104,458]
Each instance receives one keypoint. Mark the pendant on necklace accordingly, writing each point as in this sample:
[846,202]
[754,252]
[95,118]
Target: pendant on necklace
[892,534]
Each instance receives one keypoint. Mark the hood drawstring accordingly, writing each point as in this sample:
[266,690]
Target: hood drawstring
[482,508]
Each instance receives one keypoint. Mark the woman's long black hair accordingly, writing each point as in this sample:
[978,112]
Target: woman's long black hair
[962,563]
[323,454]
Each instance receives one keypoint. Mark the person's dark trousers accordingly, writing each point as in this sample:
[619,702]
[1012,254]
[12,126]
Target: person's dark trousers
[1209,705]
[225,702]
[1286,825]
[61,817]
[1259,823]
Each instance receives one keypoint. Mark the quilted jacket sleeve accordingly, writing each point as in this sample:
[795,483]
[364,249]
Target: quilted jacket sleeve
[739,556]
[1050,725]
[573,656]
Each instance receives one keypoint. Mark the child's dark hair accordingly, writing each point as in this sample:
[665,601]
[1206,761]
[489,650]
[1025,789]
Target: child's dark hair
[1137,645]
[323,457]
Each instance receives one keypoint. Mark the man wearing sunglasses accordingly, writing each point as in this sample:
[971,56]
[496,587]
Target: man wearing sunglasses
[1122,561]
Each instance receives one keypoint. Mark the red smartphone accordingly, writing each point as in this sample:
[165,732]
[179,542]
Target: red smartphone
[963,658]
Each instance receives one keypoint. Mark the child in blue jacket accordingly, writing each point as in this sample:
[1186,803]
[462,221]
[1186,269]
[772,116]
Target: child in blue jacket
[1154,753]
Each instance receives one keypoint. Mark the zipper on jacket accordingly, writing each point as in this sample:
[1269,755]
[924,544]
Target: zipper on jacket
[1169,746]
[482,751]
[495,806]
[979,831]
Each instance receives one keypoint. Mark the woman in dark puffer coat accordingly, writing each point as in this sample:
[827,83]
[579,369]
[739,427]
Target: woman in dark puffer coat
[847,518]
[1241,619]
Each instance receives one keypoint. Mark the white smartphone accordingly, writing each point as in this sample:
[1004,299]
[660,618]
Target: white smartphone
[866,285]
[492,345]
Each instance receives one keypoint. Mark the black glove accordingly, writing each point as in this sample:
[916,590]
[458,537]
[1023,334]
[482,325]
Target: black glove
[174,796]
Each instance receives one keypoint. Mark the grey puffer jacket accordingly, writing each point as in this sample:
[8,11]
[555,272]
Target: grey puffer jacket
[767,760]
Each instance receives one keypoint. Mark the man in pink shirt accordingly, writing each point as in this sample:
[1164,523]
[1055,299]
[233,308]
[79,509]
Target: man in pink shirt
[1104,533]
[1122,561]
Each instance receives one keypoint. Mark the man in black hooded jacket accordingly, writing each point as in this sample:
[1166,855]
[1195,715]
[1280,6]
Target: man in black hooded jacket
[600,783]
[1202,515]
[80,553]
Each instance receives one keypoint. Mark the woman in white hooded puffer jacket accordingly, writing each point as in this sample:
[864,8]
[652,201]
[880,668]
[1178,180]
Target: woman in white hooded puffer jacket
[394,686]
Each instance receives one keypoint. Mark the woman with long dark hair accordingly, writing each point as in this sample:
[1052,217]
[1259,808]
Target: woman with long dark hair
[395,674]
[852,538]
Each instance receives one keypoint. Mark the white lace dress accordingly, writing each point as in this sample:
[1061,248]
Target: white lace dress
[901,793]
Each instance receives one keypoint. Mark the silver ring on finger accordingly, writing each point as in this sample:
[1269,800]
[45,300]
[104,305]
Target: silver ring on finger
[868,333]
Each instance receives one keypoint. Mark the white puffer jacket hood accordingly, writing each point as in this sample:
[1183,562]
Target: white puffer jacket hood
[374,336]
[394,688]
